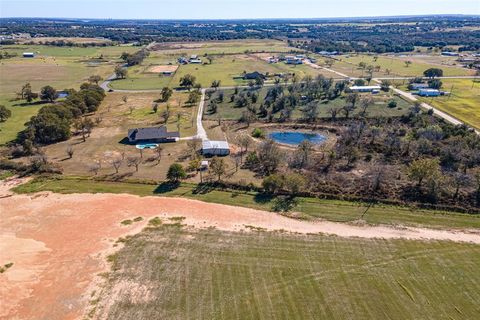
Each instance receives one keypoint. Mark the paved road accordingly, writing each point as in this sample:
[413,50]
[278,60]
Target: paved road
[316,66]
[424,105]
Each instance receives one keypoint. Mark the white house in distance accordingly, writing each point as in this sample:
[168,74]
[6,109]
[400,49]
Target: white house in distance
[372,89]
[29,55]
[293,60]
[195,59]
[215,148]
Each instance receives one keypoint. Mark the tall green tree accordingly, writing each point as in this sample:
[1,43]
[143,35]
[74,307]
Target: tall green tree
[423,169]
[48,93]
[176,172]
[4,113]
[121,72]
[166,94]
[218,167]
[433,73]
[188,81]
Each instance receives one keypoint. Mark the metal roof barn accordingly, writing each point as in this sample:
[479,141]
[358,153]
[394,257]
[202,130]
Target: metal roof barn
[215,148]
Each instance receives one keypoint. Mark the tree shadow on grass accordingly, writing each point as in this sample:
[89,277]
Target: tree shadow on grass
[263,198]
[30,104]
[166,187]
[203,188]
[284,204]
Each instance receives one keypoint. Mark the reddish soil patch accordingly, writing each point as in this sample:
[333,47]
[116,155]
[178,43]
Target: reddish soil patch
[58,243]
[162,69]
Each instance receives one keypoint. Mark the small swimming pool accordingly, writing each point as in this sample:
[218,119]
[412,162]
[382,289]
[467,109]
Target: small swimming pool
[146,146]
[294,138]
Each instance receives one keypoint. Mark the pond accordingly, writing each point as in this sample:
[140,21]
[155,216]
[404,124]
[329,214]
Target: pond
[294,138]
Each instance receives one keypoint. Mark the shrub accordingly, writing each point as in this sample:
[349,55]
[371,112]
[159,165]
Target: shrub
[392,104]
[273,183]
[258,133]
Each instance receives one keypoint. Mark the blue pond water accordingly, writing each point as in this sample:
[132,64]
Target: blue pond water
[295,138]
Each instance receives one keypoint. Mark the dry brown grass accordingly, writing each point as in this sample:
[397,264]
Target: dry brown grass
[106,142]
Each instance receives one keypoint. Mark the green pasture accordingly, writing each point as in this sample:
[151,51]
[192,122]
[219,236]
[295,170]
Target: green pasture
[186,273]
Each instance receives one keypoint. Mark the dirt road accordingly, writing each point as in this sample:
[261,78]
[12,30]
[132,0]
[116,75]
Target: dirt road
[58,243]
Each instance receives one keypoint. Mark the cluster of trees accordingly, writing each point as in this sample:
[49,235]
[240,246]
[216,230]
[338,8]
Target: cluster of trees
[132,59]
[416,157]
[397,37]
[413,158]
[66,43]
[54,122]
[281,100]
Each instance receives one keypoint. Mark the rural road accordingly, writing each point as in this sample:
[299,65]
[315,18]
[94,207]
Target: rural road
[316,66]
[426,106]
[201,133]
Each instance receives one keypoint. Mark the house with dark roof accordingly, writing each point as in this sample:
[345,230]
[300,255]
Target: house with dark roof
[152,135]
[253,75]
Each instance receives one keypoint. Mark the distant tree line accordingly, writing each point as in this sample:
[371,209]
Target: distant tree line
[376,35]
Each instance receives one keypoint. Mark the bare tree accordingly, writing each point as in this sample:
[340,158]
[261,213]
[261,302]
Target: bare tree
[333,113]
[244,141]
[218,167]
[134,161]
[237,157]
[194,146]
[70,152]
[166,114]
[377,177]
[365,102]
[158,153]
[347,110]
[459,180]
[116,164]
[95,167]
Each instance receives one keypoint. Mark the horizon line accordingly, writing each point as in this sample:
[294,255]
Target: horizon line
[258,19]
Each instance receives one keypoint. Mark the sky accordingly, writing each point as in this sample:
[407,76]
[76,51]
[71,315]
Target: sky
[231,9]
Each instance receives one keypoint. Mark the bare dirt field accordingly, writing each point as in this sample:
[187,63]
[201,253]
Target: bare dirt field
[59,243]
[162,69]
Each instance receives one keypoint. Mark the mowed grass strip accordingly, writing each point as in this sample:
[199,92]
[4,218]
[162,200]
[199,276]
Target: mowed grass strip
[309,208]
[174,272]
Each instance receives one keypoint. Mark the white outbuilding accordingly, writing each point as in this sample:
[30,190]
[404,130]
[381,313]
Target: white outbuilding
[215,148]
